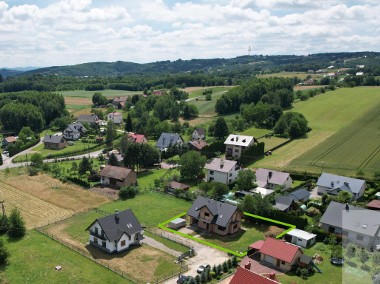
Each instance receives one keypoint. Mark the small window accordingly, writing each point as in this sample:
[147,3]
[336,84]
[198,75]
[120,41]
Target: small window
[220,228]
[283,262]
[211,172]
[300,240]
[235,226]
[129,237]
[236,150]
[96,240]
[211,178]
[230,174]
[207,214]
[122,243]
[359,237]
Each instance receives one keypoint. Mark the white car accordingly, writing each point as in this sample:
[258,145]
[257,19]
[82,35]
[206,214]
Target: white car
[202,268]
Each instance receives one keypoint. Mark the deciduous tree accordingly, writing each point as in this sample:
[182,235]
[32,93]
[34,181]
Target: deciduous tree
[16,224]
[191,165]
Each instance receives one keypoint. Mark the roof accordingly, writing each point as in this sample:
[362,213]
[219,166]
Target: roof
[239,140]
[115,113]
[279,249]
[221,165]
[334,182]
[168,139]
[200,131]
[10,139]
[178,185]
[178,221]
[119,173]
[300,194]
[257,245]
[120,99]
[137,138]
[88,118]
[115,225]
[265,176]
[198,144]
[55,139]
[306,259]
[76,127]
[355,219]
[243,275]
[222,212]
[263,191]
[374,204]
[283,202]
[301,234]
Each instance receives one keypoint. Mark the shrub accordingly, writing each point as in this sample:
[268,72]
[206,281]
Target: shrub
[365,267]
[16,224]
[225,267]
[4,253]
[127,192]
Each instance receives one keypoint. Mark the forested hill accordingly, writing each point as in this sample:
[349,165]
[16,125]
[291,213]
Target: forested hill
[249,63]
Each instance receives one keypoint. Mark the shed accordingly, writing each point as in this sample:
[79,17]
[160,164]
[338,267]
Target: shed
[300,238]
[177,223]
[255,247]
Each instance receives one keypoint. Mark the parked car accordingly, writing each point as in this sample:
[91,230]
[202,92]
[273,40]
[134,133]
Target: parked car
[337,261]
[202,268]
[183,279]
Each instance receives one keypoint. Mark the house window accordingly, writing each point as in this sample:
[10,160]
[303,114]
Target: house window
[283,262]
[220,228]
[235,226]
[230,174]
[211,172]
[211,178]
[104,244]
[300,240]
[359,237]
[207,214]
[96,231]
[122,243]
[236,150]
[129,237]
[96,240]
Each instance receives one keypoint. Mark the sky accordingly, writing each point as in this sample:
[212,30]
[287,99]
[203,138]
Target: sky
[47,33]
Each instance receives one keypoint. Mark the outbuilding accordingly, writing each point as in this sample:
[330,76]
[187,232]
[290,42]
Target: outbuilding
[300,238]
[177,223]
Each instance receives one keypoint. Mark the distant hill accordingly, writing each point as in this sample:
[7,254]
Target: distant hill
[254,62]
[9,72]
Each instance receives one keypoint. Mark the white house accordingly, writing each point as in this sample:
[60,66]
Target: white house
[74,131]
[300,238]
[236,144]
[116,232]
[220,170]
[198,134]
[333,184]
[271,179]
[116,117]
[167,140]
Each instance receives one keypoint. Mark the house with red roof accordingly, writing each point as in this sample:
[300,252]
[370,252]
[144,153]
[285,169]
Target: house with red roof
[277,253]
[243,276]
[137,138]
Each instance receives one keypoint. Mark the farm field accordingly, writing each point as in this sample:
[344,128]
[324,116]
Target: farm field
[106,93]
[327,114]
[42,199]
[34,258]
[197,91]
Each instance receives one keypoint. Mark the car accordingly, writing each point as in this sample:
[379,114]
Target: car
[336,261]
[183,279]
[203,267]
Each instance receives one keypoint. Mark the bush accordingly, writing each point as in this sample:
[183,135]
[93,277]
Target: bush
[16,224]
[365,267]
[4,253]
[127,192]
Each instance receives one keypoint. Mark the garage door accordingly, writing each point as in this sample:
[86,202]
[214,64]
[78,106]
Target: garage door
[268,259]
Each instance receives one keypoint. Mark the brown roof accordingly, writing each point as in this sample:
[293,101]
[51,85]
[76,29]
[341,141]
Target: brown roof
[279,249]
[374,204]
[178,185]
[10,139]
[243,276]
[198,144]
[115,172]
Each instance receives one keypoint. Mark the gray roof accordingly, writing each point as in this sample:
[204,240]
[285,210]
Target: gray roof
[263,176]
[76,127]
[114,227]
[283,202]
[334,182]
[300,194]
[355,219]
[221,165]
[222,212]
[89,118]
[55,139]
[168,139]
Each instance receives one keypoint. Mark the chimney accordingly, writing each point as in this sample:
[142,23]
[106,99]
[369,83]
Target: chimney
[272,275]
[270,174]
[347,207]
[117,216]
[221,163]
[248,265]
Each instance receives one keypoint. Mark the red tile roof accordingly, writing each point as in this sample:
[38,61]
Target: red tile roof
[279,249]
[374,204]
[137,138]
[244,276]
[11,139]
[257,245]
[178,185]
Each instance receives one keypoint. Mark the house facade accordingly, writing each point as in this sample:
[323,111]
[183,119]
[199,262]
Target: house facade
[115,117]
[333,184]
[271,179]
[117,177]
[215,217]
[300,238]
[74,131]
[119,102]
[167,140]
[116,233]
[224,171]
[54,142]
[236,144]
[198,134]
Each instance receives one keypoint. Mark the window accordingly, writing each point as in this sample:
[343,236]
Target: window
[129,237]
[122,243]
[230,174]
[283,262]
[236,150]
[104,244]
[359,237]
[96,240]
[207,214]
[235,226]
[211,179]
[96,231]
[300,240]
[220,228]
[211,172]
[230,180]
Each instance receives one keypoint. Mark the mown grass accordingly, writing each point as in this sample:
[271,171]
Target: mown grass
[170,244]
[34,258]
[106,93]
[215,90]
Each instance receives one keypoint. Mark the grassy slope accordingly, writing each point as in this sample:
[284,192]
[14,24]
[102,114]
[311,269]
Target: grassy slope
[327,114]
[34,258]
[89,94]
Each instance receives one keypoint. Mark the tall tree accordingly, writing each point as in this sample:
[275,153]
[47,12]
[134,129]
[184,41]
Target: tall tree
[128,124]
[99,99]
[112,161]
[16,224]
[191,165]
[245,180]
[111,133]
[84,165]
[36,160]
[220,128]
[25,133]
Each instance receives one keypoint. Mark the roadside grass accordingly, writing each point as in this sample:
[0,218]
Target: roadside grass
[107,93]
[34,258]
[170,244]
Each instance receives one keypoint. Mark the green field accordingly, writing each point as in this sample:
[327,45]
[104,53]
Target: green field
[34,258]
[328,114]
[215,90]
[89,94]
[208,107]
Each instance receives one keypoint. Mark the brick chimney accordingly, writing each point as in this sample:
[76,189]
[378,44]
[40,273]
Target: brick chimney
[248,265]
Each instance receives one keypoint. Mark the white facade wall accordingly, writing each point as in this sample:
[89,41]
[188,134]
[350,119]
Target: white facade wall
[288,183]
[235,150]
[196,136]
[222,177]
[302,242]
[104,180]
[70,135]
[117,119]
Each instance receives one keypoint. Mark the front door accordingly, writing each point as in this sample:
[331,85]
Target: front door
[278,263]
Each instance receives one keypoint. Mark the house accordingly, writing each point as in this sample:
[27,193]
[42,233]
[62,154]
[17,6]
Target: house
[90,119]
[271,179]
[244,275]
[116,232]
[74,131]
[278,253]
[115,117]
[236,144]
[214,216]
[119,102]
[262,191]
[300,238]
[358,225]
[197,145]
[333,184]
[117,176]
[173,186]
[284,203]
[137,138]
[157,93]
[8,141]
[300,195]
[198,133]
[167,140]
[54,142]
[220,170]
[374,205]
[359,73]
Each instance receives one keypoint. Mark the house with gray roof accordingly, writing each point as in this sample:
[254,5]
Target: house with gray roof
[198,134]
[167,140]
[214,216]
[220,170]
[54,141]
[333,184]
[91,119]
[117,177]
[284,203]
[74,131]
[271,179]
[116,232]
[300,195]
[355,224]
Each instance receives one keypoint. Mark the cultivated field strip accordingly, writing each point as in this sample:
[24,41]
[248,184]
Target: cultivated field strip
[35,211]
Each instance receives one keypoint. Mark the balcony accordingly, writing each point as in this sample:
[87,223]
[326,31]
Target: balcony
[97,235]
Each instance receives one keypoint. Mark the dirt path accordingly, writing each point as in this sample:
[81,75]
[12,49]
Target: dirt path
[153,243]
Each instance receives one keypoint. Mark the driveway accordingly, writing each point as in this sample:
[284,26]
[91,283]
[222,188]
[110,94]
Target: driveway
[314,193]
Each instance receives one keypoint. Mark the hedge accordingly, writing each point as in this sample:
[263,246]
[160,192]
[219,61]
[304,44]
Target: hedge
[210,150]
[252,153]
[79,181]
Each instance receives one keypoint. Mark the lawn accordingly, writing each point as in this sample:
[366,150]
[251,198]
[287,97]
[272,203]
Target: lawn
[106,93]
[327,114]
[34,258]
[196,92]
[146,179]
[207,107]
[256,132]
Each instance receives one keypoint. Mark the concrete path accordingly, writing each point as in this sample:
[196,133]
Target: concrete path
[153,243]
